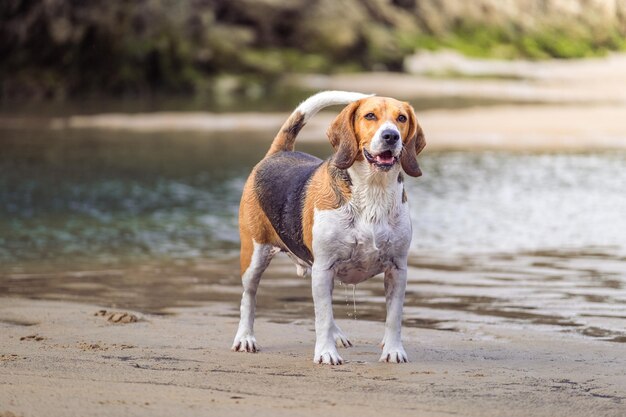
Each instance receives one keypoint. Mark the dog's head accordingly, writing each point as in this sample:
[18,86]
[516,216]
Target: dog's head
[380,130]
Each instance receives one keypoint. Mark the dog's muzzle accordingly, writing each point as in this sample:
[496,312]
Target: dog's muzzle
[384,160]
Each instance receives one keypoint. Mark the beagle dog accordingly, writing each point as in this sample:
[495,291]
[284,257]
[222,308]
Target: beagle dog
[344,218]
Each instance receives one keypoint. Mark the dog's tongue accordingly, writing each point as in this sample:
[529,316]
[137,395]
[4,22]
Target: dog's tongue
[385,158]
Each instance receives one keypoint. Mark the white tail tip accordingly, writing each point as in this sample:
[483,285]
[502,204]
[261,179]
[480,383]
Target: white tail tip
[315,103]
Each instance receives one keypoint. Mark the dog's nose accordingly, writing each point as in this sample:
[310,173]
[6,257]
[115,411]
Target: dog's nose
[390,136]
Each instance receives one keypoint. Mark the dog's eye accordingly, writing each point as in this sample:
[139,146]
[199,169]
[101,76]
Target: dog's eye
[402,118]
[370,116]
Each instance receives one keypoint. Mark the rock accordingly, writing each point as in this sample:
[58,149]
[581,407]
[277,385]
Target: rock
[57,49]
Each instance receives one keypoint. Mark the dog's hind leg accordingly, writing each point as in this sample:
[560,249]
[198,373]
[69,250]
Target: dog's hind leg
[257,257]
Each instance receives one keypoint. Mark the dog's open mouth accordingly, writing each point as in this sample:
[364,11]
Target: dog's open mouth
[384,160]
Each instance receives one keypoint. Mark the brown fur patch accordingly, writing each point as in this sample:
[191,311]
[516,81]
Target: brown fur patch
[413,145]
[253,224]
[343,138]
[286,137]
[328,189]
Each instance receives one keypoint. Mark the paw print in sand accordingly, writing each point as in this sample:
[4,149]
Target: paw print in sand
[117,317]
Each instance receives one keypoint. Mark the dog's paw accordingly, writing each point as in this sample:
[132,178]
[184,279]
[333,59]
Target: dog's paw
[394,355]
[245,343]
[340,338]
[328,357]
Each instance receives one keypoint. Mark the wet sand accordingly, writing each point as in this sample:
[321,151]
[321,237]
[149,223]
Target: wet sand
[532,334]
[579,293]
[62,359]
[538,333]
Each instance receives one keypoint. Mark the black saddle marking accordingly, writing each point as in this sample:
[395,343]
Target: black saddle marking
[280,183]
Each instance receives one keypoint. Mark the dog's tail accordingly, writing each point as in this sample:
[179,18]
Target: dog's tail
[286,137]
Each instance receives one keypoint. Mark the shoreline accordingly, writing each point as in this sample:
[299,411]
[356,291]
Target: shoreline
[519,311]
[511,127]
[527,127]
[557,104]
[181,363]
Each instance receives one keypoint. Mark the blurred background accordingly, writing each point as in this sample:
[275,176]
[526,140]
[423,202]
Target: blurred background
[127,129]
[210,49]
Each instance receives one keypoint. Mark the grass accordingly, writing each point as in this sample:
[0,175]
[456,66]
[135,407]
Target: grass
[559,40]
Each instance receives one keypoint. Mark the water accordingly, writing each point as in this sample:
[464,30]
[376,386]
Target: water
[351,314]
[98,197]
[494,201]
[149,222]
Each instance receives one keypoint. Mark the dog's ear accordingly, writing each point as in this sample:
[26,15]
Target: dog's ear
[343,138]
[413,146]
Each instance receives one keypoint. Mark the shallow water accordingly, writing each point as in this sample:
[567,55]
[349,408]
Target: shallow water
[149,222]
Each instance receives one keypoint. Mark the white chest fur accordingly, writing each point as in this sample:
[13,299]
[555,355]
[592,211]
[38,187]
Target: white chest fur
[366,236]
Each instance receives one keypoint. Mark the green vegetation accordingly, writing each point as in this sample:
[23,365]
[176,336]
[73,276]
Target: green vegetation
[560,40]
[58,48]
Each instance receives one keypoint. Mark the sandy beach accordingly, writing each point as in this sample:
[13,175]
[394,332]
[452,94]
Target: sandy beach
[521,127]
[62,359]
[486,336]
[528,333]
[551,105]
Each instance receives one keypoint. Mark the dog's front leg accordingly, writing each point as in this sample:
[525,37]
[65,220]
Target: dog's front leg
[322,285]
[395,286]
